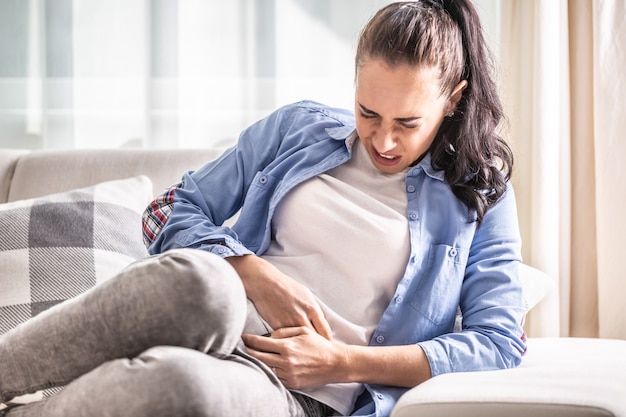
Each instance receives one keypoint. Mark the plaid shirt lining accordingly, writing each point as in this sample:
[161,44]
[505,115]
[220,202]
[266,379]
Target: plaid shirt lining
[156,214]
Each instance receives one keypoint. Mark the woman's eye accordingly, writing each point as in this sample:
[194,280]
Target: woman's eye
[410,125]
[367,115]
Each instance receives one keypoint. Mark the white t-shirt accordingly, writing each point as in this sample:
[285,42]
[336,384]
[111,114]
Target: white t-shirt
[345,235]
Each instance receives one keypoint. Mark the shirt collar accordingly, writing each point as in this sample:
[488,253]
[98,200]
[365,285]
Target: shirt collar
[426,165]
[342,132]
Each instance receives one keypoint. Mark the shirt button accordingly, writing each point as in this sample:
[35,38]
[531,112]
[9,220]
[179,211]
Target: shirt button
[380,339]
[410,188]
[399,299]
[413,215]
[380,396]
[453,252]
[263,179]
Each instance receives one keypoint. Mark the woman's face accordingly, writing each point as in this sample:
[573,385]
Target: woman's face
[398,112]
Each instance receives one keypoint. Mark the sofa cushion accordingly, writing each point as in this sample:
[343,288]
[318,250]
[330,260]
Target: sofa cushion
[558,377]
[55,247]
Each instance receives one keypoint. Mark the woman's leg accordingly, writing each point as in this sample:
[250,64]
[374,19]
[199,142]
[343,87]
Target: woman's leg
[186,298]
[170,381]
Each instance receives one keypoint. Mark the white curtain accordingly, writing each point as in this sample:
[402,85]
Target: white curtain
[609,69]
[564,83]
[170,73]
[167,73]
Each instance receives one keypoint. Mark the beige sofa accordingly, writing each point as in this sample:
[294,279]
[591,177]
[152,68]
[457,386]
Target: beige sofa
[558,377]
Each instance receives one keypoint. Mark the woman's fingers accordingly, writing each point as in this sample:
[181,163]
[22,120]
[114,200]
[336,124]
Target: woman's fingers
[321,326]
[299,356]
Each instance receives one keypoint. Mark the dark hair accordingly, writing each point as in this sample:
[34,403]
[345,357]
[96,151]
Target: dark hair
[447,35]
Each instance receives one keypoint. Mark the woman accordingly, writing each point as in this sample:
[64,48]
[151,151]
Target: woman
[358,239]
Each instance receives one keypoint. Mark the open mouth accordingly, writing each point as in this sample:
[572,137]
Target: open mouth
[385,158]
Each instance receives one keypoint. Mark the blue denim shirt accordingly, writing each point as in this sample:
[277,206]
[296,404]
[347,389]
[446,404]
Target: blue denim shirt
[453,264]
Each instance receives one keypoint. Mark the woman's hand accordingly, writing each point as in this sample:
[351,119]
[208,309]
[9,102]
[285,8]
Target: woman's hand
[279,299]
[303,359]
[299,357]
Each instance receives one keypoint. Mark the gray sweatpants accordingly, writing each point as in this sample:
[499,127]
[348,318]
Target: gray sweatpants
[160,339]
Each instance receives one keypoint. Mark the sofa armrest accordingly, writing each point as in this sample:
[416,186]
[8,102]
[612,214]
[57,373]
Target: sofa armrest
[558,377]
[8,162]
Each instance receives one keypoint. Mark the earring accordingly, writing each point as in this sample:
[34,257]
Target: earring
[450,114]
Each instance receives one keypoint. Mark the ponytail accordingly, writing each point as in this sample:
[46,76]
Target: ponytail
[477,161]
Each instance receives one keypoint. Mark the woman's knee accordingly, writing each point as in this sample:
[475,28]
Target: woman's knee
[202,272]
[201,293]
[181,373]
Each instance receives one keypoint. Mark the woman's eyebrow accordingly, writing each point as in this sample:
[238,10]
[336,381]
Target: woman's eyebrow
[398,119]
[366,110]
[407,119]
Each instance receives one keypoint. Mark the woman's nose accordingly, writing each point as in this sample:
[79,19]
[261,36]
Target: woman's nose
[384,140]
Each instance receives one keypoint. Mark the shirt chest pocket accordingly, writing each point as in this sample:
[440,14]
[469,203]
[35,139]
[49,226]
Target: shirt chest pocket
[438,292]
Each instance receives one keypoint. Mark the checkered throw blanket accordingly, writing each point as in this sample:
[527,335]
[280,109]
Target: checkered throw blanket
[56,247]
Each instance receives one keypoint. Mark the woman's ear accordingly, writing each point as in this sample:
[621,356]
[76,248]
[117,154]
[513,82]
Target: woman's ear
[456,95]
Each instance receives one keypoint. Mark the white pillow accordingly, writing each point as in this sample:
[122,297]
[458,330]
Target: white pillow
[535,285]
[55,247]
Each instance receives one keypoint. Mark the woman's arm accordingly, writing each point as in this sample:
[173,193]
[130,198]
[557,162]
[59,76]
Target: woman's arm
[303,359]
[491,300]
[205,198]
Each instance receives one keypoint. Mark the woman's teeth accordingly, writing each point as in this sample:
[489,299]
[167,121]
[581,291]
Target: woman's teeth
[386,156]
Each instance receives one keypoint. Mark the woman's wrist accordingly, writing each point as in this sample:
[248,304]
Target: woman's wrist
[405,366]
[250,269]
